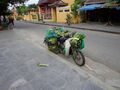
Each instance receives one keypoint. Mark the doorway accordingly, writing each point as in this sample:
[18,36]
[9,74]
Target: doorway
[54,14]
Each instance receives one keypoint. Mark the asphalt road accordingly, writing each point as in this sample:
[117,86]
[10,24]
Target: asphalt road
[99,46]
[26,65]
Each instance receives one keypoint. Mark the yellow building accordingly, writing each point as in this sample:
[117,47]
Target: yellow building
[63,11]
[15,14]
[32,15]
[55,10]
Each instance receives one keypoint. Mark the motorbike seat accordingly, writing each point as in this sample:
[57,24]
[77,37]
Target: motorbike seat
[63,39]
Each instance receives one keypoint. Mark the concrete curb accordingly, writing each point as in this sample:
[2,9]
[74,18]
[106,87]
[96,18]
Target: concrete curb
[88,29]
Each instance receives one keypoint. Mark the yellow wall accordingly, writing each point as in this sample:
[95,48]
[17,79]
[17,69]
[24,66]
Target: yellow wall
[58,16]
[70,2]
[54,15]
[61,16]
[15,15]
[31,16]
[53,19]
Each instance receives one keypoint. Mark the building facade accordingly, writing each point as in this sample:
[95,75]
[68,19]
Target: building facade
[101,11]
[32,15]
[15,14]
[54,10]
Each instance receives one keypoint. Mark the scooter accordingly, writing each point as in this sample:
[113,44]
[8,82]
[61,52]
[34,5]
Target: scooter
[63,46]
[66,48]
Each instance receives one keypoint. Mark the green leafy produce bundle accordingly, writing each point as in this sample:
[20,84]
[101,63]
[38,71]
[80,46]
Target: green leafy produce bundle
[52,40]
[78,40]
[79,35]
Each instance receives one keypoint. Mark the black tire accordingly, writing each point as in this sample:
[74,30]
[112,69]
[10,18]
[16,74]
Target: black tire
[78,58]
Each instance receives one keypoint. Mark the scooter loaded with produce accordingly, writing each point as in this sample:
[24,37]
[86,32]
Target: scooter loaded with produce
[59,40]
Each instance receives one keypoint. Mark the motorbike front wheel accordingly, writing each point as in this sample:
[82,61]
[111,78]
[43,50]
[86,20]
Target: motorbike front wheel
[78,57]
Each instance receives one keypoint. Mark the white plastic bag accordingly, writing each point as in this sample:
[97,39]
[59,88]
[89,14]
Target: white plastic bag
[67,46]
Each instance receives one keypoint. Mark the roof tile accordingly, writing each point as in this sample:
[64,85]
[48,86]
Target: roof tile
[95,1]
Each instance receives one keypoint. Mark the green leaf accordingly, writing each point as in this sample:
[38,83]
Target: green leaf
[42,65]
[75,6]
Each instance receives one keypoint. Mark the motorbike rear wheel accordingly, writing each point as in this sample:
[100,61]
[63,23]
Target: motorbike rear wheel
[78,58]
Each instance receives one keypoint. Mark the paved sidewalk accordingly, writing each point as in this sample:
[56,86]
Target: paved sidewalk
[19,71]
[86,26]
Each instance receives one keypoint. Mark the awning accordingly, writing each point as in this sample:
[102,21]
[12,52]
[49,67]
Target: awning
[110,5]
[95,1]
[90,7]
[58,3]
